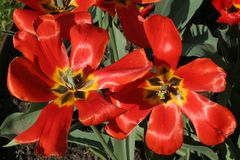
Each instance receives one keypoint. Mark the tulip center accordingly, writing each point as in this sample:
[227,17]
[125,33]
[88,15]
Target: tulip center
[165,88]
[71,86]
[59,6]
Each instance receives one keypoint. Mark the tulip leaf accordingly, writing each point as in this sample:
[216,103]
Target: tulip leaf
[180,11]
[11,143]
[206,151]
[87,139]
[198,41]
[99,153]
[18,122]
[120,150]
[130,145]
[120,39]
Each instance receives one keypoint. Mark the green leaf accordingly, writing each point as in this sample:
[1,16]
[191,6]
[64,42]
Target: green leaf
[130,145]
[125,149]
[119,39]
[17,123]
[206,151]
[119,149]
[198,41]
[139,133]
[88,139]
[99,153]
[180,11]
[11,143]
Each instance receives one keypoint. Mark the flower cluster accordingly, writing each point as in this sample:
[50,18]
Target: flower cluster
[69,76]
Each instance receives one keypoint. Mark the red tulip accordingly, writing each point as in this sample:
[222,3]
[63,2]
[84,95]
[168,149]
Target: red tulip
[229,10]
[68,13]
[46,73]
[170,91]
[130,16]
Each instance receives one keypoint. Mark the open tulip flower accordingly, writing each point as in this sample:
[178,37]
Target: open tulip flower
[229,10]
[68,13]
[46,73]
[129,13]
[170,91]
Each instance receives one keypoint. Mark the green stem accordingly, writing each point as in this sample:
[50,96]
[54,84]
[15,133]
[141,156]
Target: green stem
[99,17]
[103,142]
[11,33]
[113,40]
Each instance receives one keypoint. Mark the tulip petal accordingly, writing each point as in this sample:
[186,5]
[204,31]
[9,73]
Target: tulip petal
[88,46]
[34,4]
[24,19]
[69,19]
[113,130]
[95,109]
[53,49]
[213,122]
[26,82]
[145,1]
[83,5]
[132,26]
[202,75]
[50,130]
[165,132]
[164,40]
[131,100]
[128,69]
[108,6]
[27,44]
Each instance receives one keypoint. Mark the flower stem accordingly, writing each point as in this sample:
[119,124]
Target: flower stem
[99,17]
[113,39]
[103,142]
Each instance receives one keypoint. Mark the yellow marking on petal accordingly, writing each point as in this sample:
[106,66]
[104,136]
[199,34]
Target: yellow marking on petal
[78,72]
[236,5]
[140,8]
[58,6]
[58,75]
[66,99]
[165,88]
[91,83]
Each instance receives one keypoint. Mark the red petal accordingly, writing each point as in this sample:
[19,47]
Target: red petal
[34,4]
[113,130]
[83,5]
[165,132]
[227,16]
[27,44]
[202,75]
[128,69]
[144,1]
[50,130]
[88,45]
[95,109]
[132,26]
[131,100]
[108,6]
[53,49]
[213,122]
[26,82]
[23,19]
[69,19]
[164,40]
